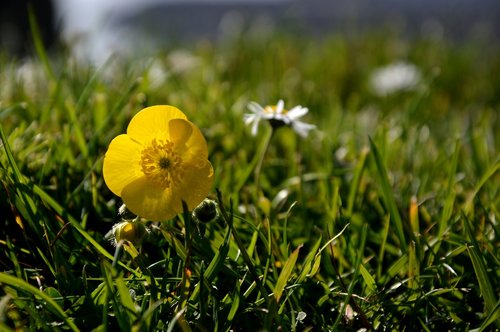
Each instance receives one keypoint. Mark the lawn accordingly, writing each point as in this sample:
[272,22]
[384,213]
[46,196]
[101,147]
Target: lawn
[383,217]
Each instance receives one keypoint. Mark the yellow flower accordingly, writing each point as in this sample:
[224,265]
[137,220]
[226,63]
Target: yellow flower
[160,162]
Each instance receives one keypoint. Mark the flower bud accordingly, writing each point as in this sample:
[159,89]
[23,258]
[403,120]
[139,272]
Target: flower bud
[205,212]
[132,231]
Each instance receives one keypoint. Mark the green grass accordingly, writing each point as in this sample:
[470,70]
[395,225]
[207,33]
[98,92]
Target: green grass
[385,218]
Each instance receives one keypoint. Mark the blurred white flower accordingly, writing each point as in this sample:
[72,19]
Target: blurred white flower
[157,73]
[182,61]
[278,116]
[398,76]
[30,75]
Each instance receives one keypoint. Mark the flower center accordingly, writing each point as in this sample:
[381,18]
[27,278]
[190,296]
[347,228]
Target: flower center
[161,164]
[164,163]
[272,110]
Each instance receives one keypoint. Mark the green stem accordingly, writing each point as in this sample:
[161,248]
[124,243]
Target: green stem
[258,167]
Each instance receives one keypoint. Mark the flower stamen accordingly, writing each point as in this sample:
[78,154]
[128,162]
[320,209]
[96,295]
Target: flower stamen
[274,110]
[161,164]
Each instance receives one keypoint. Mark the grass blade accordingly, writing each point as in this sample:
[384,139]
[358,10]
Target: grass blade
[358,172]
[487,290]
[38,42]
[285,274]
[46,198]
[308,262]
[18,176]
[218,260]
[493,316]
[484,281]
[235,304]
[125,298]
[244,253]
[120,316]
[368,278]
[388,196]
[451,193]
[489,173]
[52,305]
[215,265]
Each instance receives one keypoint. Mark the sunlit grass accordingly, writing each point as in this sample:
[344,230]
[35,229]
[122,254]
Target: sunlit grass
[385,217]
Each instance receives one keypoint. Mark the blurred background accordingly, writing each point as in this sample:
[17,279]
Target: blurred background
[96,29]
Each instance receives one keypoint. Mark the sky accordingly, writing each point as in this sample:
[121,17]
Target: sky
[95,29]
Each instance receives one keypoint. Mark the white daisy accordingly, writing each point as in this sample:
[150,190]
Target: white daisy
[395,77]
[278,116]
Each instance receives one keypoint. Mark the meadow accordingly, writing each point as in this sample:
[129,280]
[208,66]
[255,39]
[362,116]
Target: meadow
[384,217]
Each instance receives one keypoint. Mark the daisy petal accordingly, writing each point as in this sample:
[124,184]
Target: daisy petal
[297,112]
[302,128]
[255,126]
[254,107]
[248,118]
[280,106]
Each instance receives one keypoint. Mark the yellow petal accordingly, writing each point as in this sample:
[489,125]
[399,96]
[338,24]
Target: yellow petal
[180,131]
[195,147]
[121,163]
[153,122]
[150,201]
[195,184]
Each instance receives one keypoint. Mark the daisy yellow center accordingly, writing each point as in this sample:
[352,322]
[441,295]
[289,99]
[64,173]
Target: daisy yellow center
[161,164]
[272,110]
